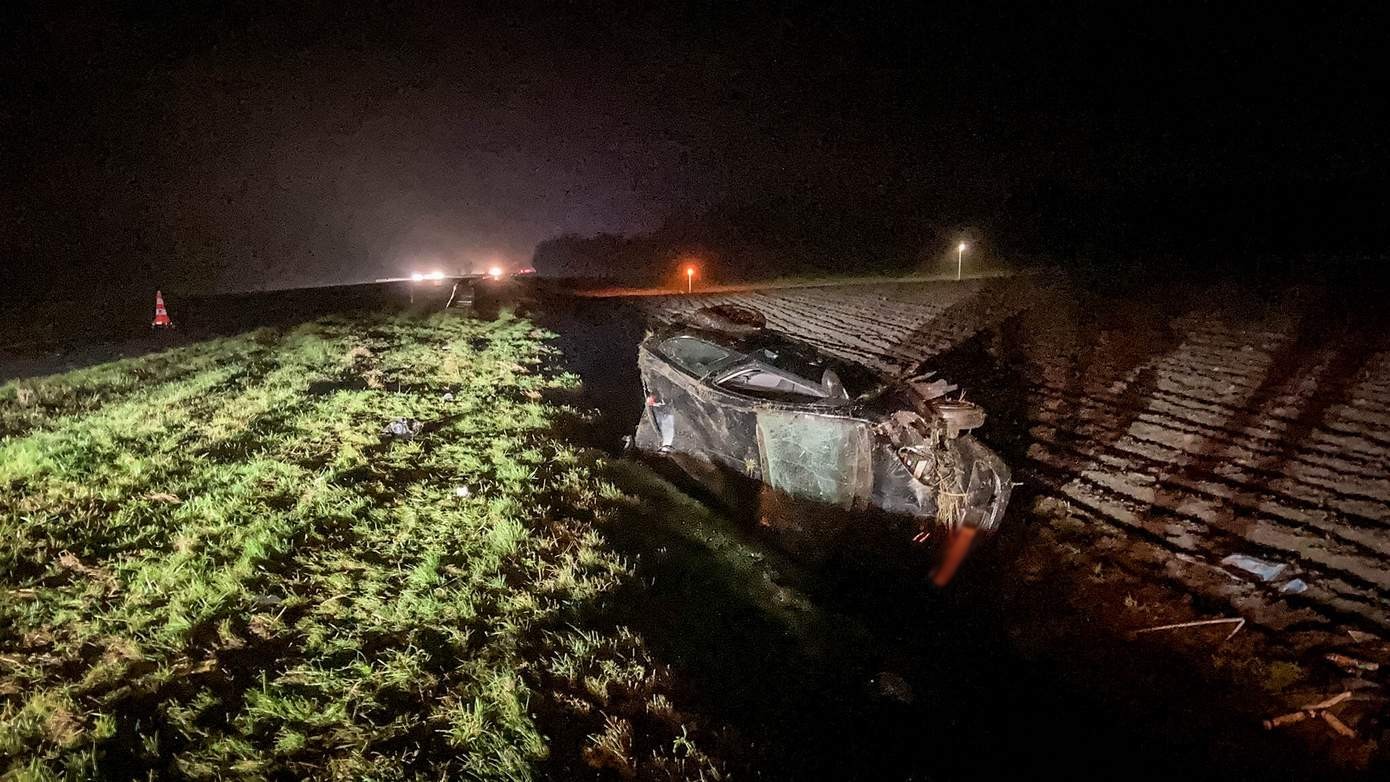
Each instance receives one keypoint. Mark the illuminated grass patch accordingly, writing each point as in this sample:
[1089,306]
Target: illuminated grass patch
[213,562]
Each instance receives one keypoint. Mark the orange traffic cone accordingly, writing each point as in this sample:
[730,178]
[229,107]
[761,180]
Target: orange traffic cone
[161,316]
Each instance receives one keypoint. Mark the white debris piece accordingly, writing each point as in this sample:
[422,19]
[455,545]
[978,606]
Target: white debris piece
[1266,571]
[404,428]
[1295,586]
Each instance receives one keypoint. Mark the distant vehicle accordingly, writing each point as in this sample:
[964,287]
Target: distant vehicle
[811,443]
[484,294]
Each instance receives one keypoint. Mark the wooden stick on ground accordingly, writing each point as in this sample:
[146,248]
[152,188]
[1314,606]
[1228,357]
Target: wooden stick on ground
[1312,710]
[1238,621]
[1329,703]
[1285,719]
[1338,725]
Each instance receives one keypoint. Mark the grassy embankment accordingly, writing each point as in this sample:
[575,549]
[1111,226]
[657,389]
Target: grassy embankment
[213,562]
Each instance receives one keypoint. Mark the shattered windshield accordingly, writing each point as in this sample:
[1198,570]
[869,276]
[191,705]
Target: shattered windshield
[694,355]
[815,457]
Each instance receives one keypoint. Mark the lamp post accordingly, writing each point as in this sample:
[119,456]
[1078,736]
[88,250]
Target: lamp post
[689,279]
[960,256]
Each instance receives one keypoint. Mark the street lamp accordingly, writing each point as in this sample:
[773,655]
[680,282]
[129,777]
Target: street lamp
[960,255]
[689,278]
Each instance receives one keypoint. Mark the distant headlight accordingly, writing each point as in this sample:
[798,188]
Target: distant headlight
[417,276]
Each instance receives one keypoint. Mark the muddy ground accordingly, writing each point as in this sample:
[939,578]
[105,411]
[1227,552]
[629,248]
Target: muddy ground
[1157,433]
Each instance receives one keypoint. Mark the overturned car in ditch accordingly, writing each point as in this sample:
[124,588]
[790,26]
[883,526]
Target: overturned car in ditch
[820,450]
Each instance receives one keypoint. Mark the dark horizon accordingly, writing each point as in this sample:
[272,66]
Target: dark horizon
[237,147]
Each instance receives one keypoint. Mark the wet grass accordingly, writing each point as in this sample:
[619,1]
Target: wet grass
[215,563]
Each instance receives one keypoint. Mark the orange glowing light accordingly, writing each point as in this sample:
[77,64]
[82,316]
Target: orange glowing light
[495,272]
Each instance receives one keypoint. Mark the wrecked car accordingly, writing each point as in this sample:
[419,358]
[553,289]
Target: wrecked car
[818,448]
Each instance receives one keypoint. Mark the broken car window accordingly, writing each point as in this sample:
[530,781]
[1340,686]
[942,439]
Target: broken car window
[789,360]
[819,458]
[802,363]
[695,356]
[773,385]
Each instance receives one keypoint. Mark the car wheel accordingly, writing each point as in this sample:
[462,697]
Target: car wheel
[728,319]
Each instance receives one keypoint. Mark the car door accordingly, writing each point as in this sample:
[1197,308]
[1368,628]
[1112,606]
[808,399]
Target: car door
[814,462]
[686,415]
[804,446]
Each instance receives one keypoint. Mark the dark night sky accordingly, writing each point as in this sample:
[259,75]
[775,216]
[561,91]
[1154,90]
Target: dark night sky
[245,144]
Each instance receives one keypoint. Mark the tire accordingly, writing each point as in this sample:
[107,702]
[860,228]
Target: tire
[728,319]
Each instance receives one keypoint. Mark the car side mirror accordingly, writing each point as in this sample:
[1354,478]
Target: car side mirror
[834,389]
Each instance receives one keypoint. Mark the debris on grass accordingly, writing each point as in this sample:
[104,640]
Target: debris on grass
[403,428]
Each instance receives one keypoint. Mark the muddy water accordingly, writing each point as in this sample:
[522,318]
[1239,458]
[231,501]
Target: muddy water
[858,671]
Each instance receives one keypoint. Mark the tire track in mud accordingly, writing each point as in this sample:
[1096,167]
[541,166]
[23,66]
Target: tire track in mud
[1160,418]
[1333,595]
[1361,560]
[1148,455]
[1203,430]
